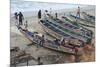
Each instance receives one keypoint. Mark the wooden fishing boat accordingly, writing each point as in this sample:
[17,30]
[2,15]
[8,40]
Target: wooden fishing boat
[70,28]
[77,26]
[78,23]
[58,33]
[88,17]
[65,30]
[83,22]
[50,44]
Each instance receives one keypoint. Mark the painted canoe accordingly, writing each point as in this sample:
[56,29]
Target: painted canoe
[77,26]
[70,28]
[48,43]
[58,33]
[88,17]
[83,22]
[64,29]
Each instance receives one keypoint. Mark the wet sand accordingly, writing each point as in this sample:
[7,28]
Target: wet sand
[17,39]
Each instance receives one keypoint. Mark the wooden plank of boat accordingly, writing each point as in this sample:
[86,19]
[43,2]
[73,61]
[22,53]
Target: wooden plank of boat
[83,22]
[48,44]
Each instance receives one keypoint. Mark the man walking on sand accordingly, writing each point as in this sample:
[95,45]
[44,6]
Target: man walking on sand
[78,13]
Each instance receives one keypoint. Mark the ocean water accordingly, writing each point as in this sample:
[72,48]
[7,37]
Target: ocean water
[30,8]
[27,6]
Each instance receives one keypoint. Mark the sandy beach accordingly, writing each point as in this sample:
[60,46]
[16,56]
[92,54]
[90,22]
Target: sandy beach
[19,40]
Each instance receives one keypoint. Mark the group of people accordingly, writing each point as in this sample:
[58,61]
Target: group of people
[46,12]
[41,41]
[39,38]
[56,14]
[19,19]
[19,16]
[60,42]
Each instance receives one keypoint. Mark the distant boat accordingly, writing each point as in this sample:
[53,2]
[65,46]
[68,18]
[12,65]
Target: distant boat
[88,17]
[48,43]
[83,22]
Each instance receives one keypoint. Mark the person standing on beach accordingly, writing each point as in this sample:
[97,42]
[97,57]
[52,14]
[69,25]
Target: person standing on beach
[78,13]
[56,15]
[26,25]
[63,42]
[16,18]
[57,42]
[45,14]
[21,17]
[39,15]
[50,11]
[42,40]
